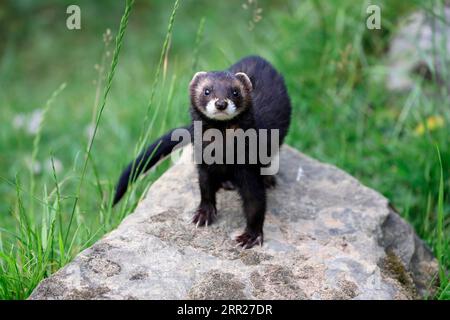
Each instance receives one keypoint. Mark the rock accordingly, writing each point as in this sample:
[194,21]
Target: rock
[420,46]
[326,237]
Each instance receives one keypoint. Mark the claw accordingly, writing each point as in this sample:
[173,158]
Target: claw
[204,216]
[247,240]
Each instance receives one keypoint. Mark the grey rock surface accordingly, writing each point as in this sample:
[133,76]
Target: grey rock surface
[420,46]
[326,237]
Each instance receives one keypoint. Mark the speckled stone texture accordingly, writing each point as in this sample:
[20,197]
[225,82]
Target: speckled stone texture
[326,237]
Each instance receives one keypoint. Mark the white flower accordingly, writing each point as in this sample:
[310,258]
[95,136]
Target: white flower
[56,162]
[18,121]
[35,121]
[35,167]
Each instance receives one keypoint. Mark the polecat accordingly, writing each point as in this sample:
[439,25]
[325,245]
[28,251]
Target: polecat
[250,94]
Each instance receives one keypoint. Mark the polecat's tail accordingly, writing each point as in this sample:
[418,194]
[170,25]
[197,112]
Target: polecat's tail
[159,149]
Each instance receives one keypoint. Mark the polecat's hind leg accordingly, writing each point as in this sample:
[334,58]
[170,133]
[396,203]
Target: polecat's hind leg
[270,182]
[252,190]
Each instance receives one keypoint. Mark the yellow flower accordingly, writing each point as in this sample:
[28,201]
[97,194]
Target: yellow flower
[432,123]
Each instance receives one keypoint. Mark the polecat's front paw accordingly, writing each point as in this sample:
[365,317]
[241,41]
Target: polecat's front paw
[204,215]
[249,239]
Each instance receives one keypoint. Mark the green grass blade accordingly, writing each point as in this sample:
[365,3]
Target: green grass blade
[114,62]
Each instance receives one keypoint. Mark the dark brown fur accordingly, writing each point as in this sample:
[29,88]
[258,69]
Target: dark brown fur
[264,104]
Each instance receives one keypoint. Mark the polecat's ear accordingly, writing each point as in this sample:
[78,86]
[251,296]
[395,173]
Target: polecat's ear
[243,77]
[197,77]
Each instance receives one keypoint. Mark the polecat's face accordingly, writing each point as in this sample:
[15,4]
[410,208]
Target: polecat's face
[220,95]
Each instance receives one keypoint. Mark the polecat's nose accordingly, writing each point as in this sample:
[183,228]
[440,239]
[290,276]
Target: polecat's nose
[221,104]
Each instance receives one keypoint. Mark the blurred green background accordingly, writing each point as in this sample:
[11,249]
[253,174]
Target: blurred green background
[334,67]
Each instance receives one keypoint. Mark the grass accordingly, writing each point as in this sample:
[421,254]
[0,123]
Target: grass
[56,190]
[441,246]
[115,60]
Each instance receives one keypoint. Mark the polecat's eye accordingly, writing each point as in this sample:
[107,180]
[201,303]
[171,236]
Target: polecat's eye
[207,92]
[235,93]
